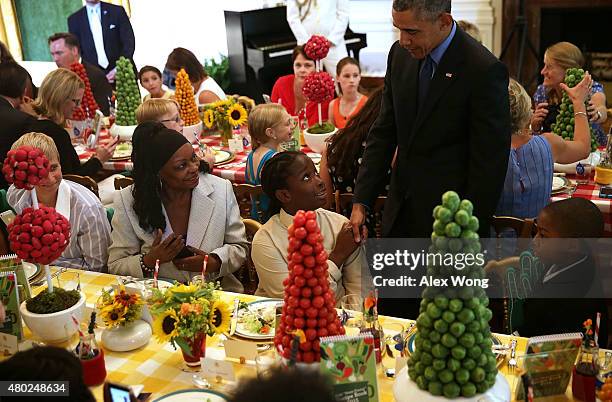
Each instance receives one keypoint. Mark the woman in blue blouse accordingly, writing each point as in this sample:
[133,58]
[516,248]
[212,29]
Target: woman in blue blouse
[529,176]
[558,58]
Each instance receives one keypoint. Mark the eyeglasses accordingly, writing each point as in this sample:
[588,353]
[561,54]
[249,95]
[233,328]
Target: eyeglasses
[175,119]
[77,102]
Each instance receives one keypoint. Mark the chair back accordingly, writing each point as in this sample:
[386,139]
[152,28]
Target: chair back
[123,182]
[84,181]
[247,196]
[247,274]
[344,205]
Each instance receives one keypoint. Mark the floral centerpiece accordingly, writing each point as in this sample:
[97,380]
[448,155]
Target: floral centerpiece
[185,314]
[121,312]
[224,115]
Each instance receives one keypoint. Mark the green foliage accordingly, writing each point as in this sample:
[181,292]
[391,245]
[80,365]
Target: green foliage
[219,71]
[47,303]
[324,128]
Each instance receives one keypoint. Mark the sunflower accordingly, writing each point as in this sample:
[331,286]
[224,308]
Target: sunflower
[165,326]
[180,288]
[236,115]
[219,317]
[209,119]
[126,299]
[113,315]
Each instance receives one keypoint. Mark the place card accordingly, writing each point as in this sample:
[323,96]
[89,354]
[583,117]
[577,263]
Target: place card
[236,145]
[217,370]
[240,350]
[8,345]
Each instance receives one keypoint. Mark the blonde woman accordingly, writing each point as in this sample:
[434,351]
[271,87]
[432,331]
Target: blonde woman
[547,98]
[59,96]
[90,230]
[529,175]
[166,112]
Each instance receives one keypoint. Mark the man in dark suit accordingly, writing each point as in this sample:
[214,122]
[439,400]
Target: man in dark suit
[13,122]
[64,48]
[445,108]
[105,34]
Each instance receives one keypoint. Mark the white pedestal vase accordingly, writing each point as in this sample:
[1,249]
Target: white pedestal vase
[128,337]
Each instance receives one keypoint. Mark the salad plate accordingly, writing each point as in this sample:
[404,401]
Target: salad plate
[123,151]
[559,183]
[256,319]
[205,395]
[222,156]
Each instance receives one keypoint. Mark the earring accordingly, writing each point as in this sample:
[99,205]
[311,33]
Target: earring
[274,136]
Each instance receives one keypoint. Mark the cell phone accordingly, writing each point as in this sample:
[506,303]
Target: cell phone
[117,393]
[184,253]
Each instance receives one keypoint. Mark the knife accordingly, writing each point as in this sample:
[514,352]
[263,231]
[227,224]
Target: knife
[234,321]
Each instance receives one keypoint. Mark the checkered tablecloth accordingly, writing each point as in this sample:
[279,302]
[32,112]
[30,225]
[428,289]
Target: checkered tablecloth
[233,171]
[590,191]
[161,370]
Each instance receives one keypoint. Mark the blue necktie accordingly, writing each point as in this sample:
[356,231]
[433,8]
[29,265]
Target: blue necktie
[427,69]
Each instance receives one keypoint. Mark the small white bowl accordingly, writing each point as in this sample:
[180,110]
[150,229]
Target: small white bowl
[193,132]
[123,132]
[316,142]
[54,327]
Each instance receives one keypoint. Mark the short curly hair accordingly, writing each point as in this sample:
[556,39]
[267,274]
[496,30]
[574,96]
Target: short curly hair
[424,9]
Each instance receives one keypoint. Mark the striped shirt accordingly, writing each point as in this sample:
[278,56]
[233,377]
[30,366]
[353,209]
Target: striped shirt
[89,226]
[528,180]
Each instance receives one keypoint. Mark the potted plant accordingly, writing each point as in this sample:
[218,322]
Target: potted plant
[40,235]
[121,313]
[186,314]
[224,115]
[603,172]
[128,100]
[318,88]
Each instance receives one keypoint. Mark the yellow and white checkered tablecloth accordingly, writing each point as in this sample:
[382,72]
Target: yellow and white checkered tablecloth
[160,368]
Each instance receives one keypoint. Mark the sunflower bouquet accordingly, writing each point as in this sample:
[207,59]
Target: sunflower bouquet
[119,308]
[184,312]
[224,115]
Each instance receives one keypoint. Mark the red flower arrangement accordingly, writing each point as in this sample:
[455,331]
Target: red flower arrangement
[318,87]
[25,167]
[317,47]
[309,309]
[88,104]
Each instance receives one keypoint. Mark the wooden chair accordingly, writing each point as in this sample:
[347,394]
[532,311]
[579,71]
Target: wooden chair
[524,229]
[4,243]
[246,196]
[344,205]
[247,275]
[123,182]
[84,181]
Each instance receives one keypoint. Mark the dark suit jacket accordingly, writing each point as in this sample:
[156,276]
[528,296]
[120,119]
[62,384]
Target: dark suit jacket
[13,124]
[116,31]
[100,87]
[459,141]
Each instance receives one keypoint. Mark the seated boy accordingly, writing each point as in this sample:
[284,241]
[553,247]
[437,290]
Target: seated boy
[569,291]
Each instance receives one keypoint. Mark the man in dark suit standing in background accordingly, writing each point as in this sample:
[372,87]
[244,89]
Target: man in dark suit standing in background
[64,48]
[105,34]
[445,108]
[14,81]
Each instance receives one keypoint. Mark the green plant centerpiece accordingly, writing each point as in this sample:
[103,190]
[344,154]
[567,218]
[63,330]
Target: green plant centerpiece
[453,355]
[47,303]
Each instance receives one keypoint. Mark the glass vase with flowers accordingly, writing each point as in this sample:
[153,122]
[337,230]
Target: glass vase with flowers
[225,115]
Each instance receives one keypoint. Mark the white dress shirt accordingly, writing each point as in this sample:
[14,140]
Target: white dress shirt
[89,226]
[95,25]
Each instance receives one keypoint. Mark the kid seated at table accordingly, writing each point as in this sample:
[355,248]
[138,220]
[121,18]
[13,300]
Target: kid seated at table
[167,112]
[89,226]
[291,181]
[569,289]
[269,126]
[151,79]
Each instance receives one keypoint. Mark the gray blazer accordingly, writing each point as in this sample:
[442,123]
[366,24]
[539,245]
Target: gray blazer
[214,227]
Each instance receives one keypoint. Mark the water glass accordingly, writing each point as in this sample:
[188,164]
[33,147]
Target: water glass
[352,313]
[265,362]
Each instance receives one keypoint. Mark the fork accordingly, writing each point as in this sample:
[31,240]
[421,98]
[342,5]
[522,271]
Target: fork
[512,362]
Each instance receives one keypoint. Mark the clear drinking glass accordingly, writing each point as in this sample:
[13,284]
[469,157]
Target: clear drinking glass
[352,313]
[265,362]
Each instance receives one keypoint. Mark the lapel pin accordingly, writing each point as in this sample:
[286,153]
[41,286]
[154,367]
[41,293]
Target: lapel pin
[449,75]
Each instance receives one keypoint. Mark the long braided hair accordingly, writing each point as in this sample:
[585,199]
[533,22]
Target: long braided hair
[274,176]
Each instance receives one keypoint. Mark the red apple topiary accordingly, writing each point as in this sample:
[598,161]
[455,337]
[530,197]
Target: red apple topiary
[318,87]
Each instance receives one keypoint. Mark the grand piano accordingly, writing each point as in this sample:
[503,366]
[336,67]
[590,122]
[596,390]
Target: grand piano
[260,44]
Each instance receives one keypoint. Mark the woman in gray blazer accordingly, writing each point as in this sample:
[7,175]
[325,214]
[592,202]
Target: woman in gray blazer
[176,213]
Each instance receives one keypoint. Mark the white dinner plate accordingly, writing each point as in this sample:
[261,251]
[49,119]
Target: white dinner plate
[258,304]
[31,270]
[193,395]
[222,156]
[559,183]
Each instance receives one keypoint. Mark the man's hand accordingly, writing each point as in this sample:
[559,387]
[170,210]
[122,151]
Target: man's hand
[358,217]
[111,75]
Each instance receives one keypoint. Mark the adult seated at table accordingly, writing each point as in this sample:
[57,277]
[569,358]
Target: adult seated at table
[89,227]
[547,97]
[175,214]
[528,182]
[287,90]
[47,363]
[341,160]
[59,95]
[205,88]
[291,181]
[13,122]
[64,48]
[166,112]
